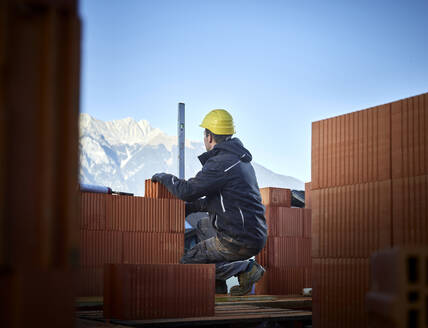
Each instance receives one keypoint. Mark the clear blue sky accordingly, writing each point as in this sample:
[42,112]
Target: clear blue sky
[276,65]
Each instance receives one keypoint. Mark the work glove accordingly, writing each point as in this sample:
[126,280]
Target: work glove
[158,177]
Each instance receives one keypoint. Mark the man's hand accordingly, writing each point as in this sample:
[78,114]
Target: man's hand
[158,177]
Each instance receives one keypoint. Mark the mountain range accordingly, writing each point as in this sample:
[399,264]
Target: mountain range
[121,154]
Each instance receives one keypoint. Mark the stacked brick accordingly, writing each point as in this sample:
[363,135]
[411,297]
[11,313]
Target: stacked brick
[39,110]
[398,295]
[368,192]
[308,195]
[156,190]
[149,291]
[126,229]
[287,254]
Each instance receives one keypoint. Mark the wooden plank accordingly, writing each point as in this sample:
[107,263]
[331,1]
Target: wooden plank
[247,314]
[276,301]
[86,323]
[220,299]
[89,299]
[303,315]
[300,302]
[246,307]
[251,311]
[89,303]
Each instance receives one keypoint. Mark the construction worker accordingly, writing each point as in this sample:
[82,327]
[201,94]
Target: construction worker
[227,189]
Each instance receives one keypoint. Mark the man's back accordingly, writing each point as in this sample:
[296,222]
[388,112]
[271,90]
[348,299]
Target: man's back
[237,201]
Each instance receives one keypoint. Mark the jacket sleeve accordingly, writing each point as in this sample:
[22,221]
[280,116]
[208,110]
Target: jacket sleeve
[209,180]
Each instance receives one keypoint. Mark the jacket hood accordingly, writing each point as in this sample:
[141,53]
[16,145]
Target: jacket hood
[233,145]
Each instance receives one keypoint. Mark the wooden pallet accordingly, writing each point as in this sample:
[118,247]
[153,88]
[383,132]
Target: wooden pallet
[275,301]
[229,310]
[281,301]
[227,314]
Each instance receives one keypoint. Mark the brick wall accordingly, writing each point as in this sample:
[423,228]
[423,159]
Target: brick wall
[287,254]
[368,192]
[118,229]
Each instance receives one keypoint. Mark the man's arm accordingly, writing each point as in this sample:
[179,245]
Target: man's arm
[209,180]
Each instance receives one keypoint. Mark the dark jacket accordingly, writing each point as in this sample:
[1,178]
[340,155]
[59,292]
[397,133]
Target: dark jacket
[233,200]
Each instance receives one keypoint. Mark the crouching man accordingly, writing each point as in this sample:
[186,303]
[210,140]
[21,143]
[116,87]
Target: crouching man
[227,189]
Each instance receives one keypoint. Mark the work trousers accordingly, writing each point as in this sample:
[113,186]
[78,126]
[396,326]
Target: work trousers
[230,259]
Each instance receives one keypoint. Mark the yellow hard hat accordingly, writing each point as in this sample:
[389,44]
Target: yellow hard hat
[219,121]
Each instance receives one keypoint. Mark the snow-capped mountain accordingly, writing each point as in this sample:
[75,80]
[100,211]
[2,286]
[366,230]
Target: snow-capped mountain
[121,154]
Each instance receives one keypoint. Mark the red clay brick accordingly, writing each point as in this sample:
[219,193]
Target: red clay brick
[282,252]
[125,213]
[156,190]
[351,221]
[150,291]
[304,251]
[284,221]
[333,153]
[316,215]
[409,137]
[355,143]
[261,287]
[330,152]
[339,288]
[177,215]
[308,276]
[361,146]
[276,196]
[308,195]
[336,153]
[262,257]
[90,281]
[371,144]
[152,248]
[352,149]
[409,213]
[341,150]
[424,136]
[315,158]
[347,149]
[317,291]
[282,281]
[324,154]
[92,211]
[99,247]
[307,223]
[37,299]
[396,139]
[288,252]
[397,274]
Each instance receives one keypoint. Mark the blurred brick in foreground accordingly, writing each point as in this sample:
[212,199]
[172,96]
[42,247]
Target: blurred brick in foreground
[150,291]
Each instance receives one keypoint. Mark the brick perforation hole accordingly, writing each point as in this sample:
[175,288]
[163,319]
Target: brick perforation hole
[426,311]
[426,275]
[413,297]
[413,318]
[412,269]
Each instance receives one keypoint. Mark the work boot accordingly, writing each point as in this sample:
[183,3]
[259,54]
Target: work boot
[220,287]
[247,279]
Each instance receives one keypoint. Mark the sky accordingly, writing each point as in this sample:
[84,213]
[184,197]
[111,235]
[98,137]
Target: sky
[275,65]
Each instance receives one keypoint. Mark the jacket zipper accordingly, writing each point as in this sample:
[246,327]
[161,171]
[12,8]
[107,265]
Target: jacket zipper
[242,217]
[222,204]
